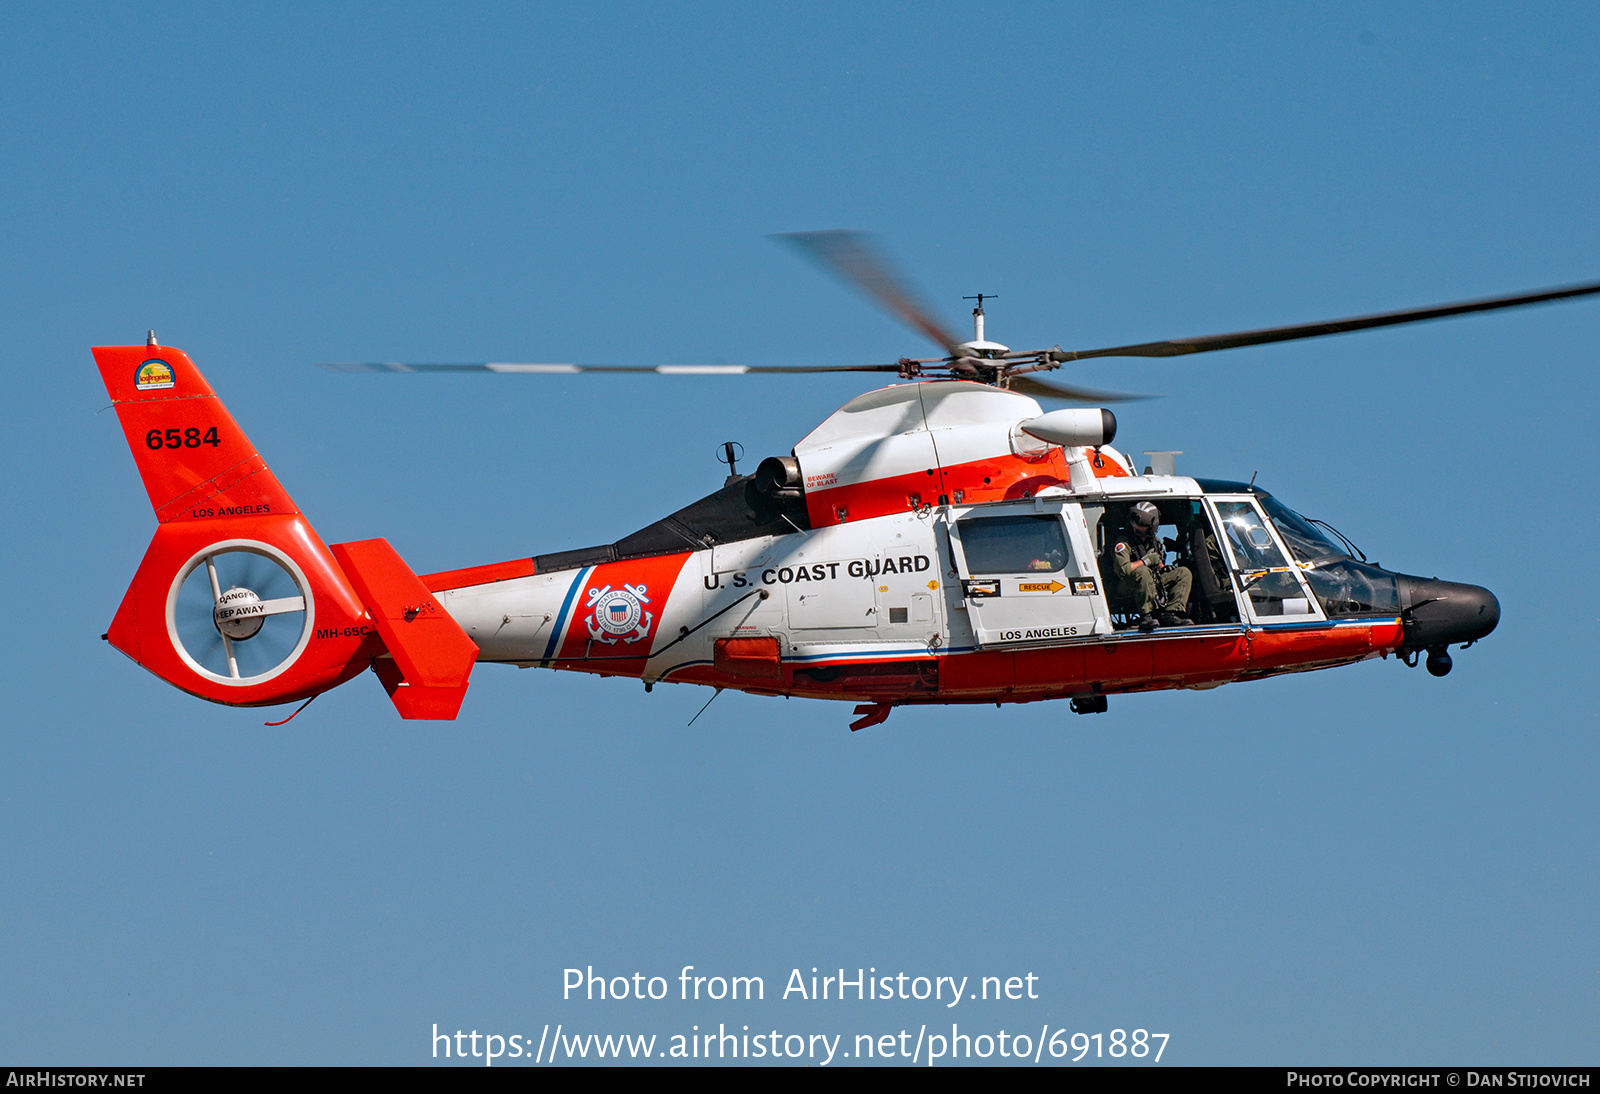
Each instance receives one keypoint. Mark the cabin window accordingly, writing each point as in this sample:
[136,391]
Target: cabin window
[1014,545]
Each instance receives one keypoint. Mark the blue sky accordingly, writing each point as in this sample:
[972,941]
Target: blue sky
[1363,865]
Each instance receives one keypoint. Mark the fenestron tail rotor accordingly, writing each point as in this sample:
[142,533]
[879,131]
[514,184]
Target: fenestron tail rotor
[239,612]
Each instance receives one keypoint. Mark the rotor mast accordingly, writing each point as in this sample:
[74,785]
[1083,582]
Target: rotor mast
[979,346]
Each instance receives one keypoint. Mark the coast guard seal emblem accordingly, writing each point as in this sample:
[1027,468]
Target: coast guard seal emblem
[619,614]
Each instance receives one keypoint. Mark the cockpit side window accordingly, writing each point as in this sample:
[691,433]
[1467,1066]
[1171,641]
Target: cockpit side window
[1252,544]
[1265,576]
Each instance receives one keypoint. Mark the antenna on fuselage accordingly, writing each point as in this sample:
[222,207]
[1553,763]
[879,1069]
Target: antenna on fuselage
[729,457]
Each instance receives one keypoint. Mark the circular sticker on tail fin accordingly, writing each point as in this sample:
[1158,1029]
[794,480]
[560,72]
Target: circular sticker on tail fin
[153,374]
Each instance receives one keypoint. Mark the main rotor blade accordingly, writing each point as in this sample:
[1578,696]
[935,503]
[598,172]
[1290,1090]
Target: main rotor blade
[851,257]
[1180,346]
[565,369]
[1029,384]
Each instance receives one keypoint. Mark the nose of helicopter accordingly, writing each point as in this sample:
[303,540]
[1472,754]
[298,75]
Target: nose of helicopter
[1444,613]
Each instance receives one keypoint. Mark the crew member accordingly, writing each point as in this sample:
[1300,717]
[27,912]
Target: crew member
[1139,563]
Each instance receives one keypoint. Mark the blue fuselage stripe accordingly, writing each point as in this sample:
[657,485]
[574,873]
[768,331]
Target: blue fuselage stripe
[566,608]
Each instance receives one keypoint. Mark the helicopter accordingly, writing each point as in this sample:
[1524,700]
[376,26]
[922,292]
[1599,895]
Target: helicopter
[941,540]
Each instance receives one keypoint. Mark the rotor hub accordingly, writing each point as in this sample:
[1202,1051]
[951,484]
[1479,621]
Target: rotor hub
[239,614]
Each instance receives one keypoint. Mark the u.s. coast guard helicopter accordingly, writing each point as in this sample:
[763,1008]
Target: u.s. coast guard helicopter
[941,540]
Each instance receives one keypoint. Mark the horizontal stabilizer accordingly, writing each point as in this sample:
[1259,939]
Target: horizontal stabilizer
[433,657]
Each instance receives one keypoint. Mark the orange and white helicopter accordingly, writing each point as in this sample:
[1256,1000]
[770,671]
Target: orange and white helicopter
[940,540]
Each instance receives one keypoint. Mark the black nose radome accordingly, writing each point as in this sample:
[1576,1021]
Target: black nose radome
[1443,613]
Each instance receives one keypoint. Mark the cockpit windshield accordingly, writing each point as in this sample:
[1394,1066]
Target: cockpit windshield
[1306,541]
[1343,585]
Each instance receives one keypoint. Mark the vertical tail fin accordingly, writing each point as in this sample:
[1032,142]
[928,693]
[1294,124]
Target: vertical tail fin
[237,599]
[193,457]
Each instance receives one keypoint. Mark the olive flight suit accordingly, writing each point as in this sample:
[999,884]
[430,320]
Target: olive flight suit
[1139,585]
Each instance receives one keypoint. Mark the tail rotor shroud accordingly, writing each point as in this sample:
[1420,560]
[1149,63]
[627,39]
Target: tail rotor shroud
[241,611]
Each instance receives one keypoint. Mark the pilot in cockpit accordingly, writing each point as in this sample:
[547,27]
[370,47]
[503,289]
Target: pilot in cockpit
[1139,563]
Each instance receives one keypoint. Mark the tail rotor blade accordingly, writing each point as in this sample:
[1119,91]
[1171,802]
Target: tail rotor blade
[213,648]
[252,571]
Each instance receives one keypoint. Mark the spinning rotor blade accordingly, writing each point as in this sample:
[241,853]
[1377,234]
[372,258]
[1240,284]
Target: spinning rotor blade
[212,650]
[1179,346]
[851,258]
[278,600]
[1024,384]
[1029,385]
[848,255]
[254,571]
[563,369]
